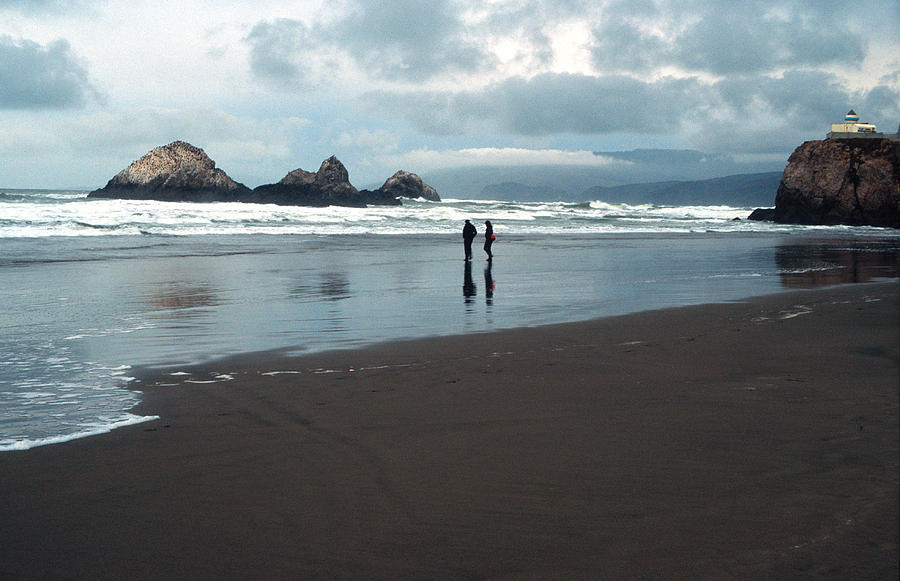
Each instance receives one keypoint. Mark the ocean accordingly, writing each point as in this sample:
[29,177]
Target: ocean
[91,289]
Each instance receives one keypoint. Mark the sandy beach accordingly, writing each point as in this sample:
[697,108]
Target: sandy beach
[748,440]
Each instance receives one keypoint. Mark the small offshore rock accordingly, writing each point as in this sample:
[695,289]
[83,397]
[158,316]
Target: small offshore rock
[762,215]
[404,184]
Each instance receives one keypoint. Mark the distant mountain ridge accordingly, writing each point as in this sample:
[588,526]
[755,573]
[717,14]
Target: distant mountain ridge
[612,168]
[741,190]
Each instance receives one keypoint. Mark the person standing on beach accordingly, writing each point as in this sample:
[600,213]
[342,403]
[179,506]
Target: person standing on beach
[488,238]
[469,233]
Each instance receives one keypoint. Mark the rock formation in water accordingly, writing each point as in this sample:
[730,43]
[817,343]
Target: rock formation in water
[184,173]
[404,184]
[330,186]
[841,181]
[175,172]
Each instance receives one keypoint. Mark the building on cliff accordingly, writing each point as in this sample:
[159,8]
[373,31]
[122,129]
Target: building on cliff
[851,128]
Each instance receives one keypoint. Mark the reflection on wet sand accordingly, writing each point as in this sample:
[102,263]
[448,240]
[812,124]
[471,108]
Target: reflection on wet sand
[813,265]
[332,286]
[184,299]
[469,289]
[488,284]
[335,286]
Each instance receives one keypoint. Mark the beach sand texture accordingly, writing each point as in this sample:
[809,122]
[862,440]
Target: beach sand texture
[745,440]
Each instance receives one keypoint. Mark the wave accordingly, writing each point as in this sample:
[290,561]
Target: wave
[70,213]
[97,226]
[95,429]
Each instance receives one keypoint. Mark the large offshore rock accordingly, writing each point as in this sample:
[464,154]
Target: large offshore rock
[180,172]
[330,186]
[174,172]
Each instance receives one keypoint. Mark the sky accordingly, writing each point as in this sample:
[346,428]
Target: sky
[265,87]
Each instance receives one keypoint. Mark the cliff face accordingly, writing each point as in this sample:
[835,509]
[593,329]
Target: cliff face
[175,172]
[841,181]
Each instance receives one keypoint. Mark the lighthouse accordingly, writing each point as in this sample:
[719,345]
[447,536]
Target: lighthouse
[851,128]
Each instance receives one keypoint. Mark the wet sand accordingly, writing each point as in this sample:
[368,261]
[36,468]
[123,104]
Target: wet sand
[748,440]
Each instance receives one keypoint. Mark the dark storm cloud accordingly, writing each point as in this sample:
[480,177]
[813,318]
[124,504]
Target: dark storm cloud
[751,75]
[411,39]
[804,97]
[33,76]
[403,39]
[886,101]
[726,38]
[568,103]
[762,114]
[553,103]
[751,107]
[277,49]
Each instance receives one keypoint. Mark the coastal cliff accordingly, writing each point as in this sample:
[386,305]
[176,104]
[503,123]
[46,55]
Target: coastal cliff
[177,172]
[180,172]
[841,181]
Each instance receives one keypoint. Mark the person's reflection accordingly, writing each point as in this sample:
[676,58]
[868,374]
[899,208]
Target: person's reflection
[488,285]
[468,283]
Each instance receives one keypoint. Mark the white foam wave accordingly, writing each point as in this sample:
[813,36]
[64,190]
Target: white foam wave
[51,214]
[10,445]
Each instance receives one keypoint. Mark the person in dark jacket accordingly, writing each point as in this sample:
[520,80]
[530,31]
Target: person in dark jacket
[488,238]
[469,233]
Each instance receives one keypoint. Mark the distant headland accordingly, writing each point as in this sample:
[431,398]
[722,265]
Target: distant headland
[851,177]
[181,172]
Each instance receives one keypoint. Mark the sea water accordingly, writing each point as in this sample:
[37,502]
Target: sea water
[91,288]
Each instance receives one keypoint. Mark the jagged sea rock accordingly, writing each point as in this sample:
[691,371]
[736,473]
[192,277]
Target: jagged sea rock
[841,181]
[298,177]
[330,186]
[334,178]
[379,198]
[404,184]
[762,215]
[174,172]
[184,173]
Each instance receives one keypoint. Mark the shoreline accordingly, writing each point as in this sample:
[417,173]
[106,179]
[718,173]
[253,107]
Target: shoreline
[739,439]
[194,298]
[149,378]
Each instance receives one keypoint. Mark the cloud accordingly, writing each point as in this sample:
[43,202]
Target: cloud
[764,114]
[883,101]
[403,39]
[33,76]
[378,139]
[251,150]
[276,51]
[551,104]
[410,39]
[429,159]
[149,127]
[29,6]
[740,38]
